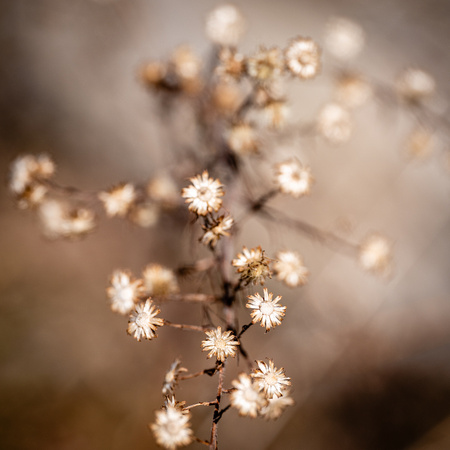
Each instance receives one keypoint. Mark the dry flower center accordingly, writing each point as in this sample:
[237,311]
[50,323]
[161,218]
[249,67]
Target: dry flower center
[142,319]
[271,379]
[205,194]
[266,308]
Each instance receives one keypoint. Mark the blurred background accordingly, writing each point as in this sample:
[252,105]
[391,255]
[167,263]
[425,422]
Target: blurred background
[369,358]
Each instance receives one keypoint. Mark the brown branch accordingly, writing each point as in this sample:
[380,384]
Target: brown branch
[183,326]
[199,404]
[217,413]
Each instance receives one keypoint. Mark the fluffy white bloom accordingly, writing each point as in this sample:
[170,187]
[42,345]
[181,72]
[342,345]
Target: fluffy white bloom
[344,38]
[303,58]
[159,280]
[375,254]
[142,322]
[270,379]
[221,345]
[246,397]
[290,269]
[276,406]
[415,84]
[204,195]
[124,291]
[225,25]
[172,427]
[118,200]
[266,310]
[293,178]
[334,123]
[253,265]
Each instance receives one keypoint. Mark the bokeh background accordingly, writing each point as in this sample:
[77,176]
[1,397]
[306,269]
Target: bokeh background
[369,359]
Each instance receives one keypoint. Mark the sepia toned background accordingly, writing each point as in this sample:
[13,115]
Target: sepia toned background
[369,358]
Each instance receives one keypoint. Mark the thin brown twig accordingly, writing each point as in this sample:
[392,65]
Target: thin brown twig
[183,326]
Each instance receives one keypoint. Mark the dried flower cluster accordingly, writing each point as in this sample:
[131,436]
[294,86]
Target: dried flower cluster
[240,108]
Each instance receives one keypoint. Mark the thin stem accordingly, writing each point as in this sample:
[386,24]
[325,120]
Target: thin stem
[244,329]
[187,298]
[217,413]
[183,326]
[201,441]
[194,405]
[209,372]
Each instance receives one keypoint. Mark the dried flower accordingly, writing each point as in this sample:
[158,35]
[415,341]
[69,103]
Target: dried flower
[253,265]
[145,214]
[187,68]
[215,229]
[231,64]
[124,291]
[266,65]
[290,269]
[159,280]
[293,178]
[352,90]
[274,114]
[204,194]
[221,345]
[118,200]
[226,97]
[142,322]
[164,191]
[266,310]
[270,379]
[171,377]
[246,398]
[276,406]
[242,139]
[25,170]
[420,143]
[415,85]
[303,58]
[375,254]
[225,25]
[59,221]
[172,427]
[344,38]
[334,123]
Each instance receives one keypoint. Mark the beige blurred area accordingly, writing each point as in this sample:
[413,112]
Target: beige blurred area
[369,358]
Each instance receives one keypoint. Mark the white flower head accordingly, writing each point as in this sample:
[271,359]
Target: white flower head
[290,269]
[246,397]
[375,254]
[216,229]
[27,169]
[293,178]
[334,123]
[243,139]
[344,38]
[353,90]
[276,406]
[221,345]
[142,322]
[303,58]
[270,379]
[204,195]
[118,200]
[266,65]
[172,428]
[266,310]
[415,84]
[253,265]
[159,280]
[124,291]
[225,25]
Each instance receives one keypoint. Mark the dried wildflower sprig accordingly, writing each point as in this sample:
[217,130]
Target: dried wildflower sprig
[266,309]
[252,265]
